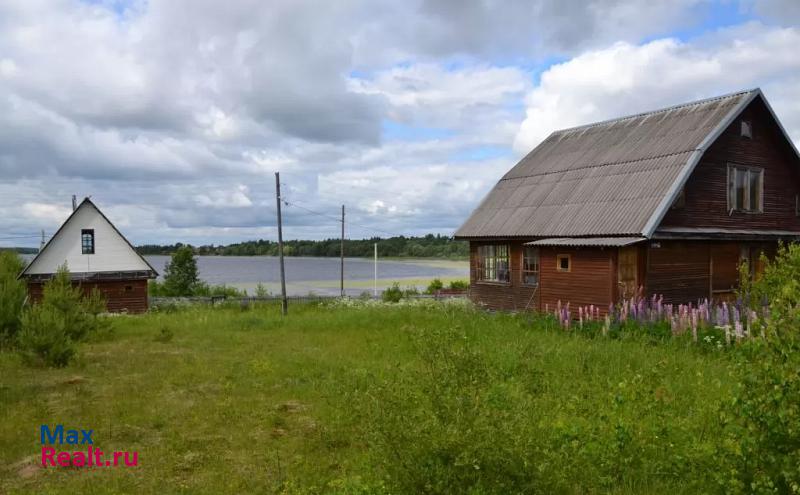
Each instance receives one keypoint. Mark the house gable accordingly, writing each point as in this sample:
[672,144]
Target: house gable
[112,252]
[706,189]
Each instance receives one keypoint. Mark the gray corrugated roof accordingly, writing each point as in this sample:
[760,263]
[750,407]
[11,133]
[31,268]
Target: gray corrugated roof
[587,241]
[606,179]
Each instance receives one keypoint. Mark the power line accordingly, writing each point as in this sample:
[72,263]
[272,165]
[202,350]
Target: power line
[393,234]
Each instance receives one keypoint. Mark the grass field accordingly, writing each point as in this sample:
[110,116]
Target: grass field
[405,399]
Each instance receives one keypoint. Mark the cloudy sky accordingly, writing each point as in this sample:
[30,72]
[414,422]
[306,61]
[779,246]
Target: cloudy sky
[173,115]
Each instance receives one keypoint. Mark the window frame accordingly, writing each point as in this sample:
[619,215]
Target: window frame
[87,249]
[746,129]
[488,272]
[734,169]
[527,269]
[559,257]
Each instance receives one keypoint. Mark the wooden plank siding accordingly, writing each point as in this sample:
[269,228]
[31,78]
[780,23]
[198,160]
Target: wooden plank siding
[513,296]
[121,295]
[591,279]
[688,271]
[706,191]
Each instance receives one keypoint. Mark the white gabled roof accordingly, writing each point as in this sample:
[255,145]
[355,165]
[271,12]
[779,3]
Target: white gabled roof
[113,254]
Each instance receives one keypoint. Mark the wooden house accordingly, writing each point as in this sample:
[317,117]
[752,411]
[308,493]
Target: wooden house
[669,201]
[97,256]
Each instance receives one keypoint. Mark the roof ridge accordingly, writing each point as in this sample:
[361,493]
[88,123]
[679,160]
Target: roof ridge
[656,111]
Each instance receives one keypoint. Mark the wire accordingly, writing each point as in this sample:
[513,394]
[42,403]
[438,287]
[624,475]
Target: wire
[350,224]
[32,236]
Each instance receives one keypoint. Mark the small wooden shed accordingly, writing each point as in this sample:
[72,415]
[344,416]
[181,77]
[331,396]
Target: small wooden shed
[97,256]
[669,201]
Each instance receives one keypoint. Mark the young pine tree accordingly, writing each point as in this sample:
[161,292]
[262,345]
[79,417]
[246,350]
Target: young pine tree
[64,316]
[180,275]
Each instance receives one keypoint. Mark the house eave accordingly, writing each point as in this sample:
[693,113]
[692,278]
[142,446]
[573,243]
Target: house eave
[714,234]
[95,276]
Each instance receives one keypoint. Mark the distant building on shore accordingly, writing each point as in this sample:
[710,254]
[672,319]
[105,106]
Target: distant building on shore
[665,202]
[97,256]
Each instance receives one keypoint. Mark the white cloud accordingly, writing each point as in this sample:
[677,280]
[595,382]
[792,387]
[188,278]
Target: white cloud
[47,211]
[625,78]
[173,114]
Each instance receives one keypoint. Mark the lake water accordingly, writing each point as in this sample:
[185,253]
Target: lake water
[319,275]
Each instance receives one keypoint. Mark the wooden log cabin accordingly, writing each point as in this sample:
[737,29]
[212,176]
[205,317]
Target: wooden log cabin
[97,256]
[666,202]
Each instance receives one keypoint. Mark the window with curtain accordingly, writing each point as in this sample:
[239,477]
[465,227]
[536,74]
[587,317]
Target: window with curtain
[493,263]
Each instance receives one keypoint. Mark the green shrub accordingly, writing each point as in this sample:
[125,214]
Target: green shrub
[261,290]
[44,339]
[762,441]
[202,289]
[65,316]
[12,294]
[459,284]
[435,286]
[393,293]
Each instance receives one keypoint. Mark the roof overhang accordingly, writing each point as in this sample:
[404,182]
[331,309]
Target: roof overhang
[587,241]
[95,276]
[703,233]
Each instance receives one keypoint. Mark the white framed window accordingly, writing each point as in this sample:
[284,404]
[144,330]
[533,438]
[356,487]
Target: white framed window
[87,241]
[745,188]
[530,266]
[493,263]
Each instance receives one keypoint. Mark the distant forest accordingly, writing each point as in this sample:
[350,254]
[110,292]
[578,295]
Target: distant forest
[429,246]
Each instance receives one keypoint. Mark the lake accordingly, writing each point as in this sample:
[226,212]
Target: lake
[320,275]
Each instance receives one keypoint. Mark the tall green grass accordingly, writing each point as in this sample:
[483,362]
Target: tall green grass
[426,398]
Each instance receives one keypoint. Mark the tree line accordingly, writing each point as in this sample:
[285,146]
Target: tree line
[429,246]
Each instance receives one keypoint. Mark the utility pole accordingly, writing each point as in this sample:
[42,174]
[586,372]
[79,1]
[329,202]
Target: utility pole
[341,256]
[41,246]
[284,303]
[74,203]
[375,284]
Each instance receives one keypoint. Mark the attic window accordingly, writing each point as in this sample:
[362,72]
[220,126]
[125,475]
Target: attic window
[747,129]
[87,241]
[563,263]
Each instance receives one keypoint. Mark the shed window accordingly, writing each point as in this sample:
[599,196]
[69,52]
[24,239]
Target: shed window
[493,263]
[563,263]
[797,205]
[530,266]
[745,189]
[747,129]
[87,241]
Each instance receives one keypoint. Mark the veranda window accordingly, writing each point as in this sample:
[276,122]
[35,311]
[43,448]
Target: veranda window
[493,263]
[530,266]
